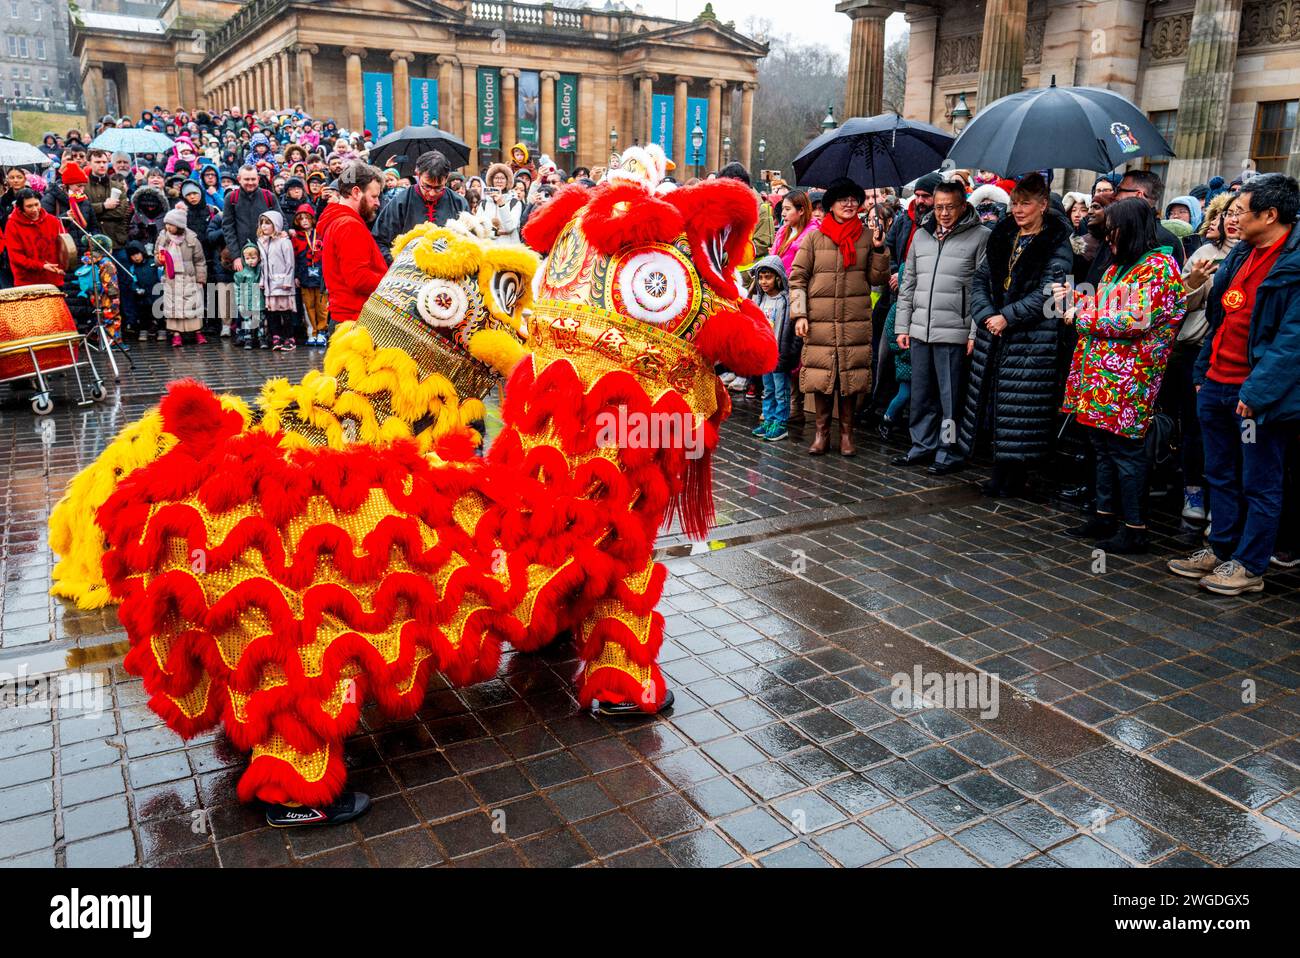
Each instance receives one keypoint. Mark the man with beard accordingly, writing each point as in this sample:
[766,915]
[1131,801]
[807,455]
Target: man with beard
[107,192]
[351,263]
[426,201]
[32,242]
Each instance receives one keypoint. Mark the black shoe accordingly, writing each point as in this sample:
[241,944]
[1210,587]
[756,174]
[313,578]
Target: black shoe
[903,460]
[885,430]
[944,468]
[1128,541]
[345,808]
[1098,527]
[631,709]
[1074,493]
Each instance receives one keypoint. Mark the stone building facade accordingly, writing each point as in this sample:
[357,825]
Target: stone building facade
[575,83]
[1220,78]
[35,69]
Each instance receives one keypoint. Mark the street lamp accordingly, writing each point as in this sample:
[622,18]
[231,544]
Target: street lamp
[960,115]
[726,149]
[697,141]
[762,153]
[828,122]
[613,140]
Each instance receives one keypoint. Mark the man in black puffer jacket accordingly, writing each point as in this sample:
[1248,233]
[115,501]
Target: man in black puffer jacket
[1011,394]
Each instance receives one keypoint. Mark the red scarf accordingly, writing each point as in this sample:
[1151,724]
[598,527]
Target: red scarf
[844,235]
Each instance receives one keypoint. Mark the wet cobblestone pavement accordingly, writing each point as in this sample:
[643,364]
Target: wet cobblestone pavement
[1122,737]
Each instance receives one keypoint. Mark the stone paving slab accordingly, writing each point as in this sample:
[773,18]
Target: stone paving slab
[1121,739]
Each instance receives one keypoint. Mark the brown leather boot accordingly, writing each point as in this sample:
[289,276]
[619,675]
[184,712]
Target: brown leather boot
[848,406]
[822,439]
[796,417]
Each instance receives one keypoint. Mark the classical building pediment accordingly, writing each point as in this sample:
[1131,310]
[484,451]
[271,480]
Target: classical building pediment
[702,35]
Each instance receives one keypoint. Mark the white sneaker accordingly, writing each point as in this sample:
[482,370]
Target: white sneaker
[225,332]
[738,385]
[727,378]
[1194,504]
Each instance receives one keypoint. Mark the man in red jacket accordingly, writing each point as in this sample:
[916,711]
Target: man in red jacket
[351,263]
[32,241]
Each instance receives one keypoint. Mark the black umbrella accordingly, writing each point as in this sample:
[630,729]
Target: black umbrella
[412,141]
[872,151]
[1068,127]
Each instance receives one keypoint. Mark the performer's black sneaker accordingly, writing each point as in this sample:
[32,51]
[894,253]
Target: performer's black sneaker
[345,808]
[630,709]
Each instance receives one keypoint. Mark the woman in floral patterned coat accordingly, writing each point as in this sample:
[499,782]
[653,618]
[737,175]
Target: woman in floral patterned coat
[1126,330]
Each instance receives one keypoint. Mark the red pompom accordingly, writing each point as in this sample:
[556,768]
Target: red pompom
[719,217]
[545,225]
[624,214]
[193,414]
[740,339]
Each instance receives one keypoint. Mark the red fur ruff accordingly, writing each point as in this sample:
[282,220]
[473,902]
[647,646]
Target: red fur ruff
[623,215]
[709,210]
[545,225]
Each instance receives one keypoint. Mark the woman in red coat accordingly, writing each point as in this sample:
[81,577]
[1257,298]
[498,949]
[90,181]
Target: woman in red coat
[32,241]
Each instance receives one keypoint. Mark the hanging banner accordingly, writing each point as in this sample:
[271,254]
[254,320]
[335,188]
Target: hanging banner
[489,108]
[566,113]
[661,123]
[530,106]
[379,103]
[424,101]
[697,114]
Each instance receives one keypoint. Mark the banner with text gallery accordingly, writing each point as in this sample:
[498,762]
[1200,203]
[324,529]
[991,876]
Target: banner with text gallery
[489,108]
[566,113]
[424,101]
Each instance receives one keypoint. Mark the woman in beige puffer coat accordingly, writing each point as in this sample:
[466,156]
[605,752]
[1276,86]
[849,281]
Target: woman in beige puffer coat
[830,300]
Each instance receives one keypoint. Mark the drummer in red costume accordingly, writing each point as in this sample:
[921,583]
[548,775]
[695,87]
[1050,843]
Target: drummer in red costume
[32,241]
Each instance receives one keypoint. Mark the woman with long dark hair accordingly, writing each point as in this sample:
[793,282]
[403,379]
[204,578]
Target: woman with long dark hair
[1012,391]
[797,221]
[1126,332]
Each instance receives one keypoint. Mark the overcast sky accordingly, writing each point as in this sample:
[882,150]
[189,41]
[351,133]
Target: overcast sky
[812,21]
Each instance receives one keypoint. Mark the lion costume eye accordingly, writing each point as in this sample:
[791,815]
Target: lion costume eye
[506,287]
[654,287]
[442,304]
[717,250]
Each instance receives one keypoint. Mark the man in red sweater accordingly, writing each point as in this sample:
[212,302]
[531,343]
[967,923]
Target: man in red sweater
[351,263]
[32,241]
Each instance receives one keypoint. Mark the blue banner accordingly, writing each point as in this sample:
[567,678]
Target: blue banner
[697,114]
[379,102]
[424,101]
[661,123]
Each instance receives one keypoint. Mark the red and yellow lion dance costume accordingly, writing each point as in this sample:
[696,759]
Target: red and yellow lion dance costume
[275,586]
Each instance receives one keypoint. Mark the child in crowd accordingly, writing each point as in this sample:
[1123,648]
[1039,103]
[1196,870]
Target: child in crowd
[139,288]
[248,299]
[770,292]
[311,284]
[185,270]
[278,281]
[98,279]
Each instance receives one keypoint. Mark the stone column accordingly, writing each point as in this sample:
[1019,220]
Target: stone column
[728,131]
[92,87]
[1206,94]
[1002,52]
[469,113]
[401,89]
[356,90]
[546,121]
[263,86]
[747,124]
[307,76]
[864,87]
[287,85]
[645,97]
[447,98]
[1293,160]
[593,119]
[714,138]
[509,108]
[681,129]
[918,95]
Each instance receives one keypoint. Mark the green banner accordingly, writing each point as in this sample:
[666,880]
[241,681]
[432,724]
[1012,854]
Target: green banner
[489,108]
[566,113]
[530,106]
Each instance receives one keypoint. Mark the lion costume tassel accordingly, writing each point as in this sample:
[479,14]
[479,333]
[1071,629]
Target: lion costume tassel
[276,573]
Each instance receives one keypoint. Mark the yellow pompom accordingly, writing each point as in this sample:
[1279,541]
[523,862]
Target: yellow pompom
[497,349]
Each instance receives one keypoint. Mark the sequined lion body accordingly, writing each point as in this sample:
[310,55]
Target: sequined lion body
[276,589]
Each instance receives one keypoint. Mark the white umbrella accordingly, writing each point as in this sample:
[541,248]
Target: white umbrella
[129,139]
[17,153]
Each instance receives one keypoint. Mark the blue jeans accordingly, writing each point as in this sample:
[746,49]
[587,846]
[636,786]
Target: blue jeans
[900,402]
[776,397]
[1243,479]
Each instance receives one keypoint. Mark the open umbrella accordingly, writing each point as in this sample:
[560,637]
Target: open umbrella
[17,153]
[872,151]
[129,139]
[1069,127]
[412,141]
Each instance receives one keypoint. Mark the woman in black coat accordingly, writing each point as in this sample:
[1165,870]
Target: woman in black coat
[1012,393]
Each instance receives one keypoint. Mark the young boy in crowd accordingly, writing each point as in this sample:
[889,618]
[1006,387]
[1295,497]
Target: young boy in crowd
[139,290]
[248,299]
[98,280]
[311,284]
[770,292]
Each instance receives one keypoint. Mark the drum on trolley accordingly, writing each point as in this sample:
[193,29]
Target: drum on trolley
[38,336]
